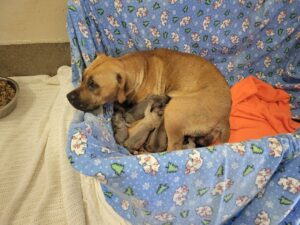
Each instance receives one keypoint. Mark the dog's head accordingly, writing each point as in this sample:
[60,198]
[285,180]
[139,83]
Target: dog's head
[103,82]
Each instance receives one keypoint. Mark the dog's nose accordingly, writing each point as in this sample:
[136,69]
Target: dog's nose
[72,96]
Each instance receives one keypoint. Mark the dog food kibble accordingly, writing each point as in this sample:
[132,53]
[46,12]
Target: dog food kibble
[7,92]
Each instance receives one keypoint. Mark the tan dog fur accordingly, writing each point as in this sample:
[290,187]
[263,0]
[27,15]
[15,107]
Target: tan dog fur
[200,97]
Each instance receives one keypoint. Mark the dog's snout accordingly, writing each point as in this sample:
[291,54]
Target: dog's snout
[72,96]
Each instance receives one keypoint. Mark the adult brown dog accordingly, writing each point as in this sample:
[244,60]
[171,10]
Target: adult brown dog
[200,97]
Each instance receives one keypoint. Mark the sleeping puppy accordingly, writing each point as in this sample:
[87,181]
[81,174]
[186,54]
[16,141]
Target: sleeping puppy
[119,127]
[140,130]
[122,119]
[200,97]
[137,111]
[157,140]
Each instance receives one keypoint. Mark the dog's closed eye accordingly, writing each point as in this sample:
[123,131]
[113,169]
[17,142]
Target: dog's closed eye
[92,85]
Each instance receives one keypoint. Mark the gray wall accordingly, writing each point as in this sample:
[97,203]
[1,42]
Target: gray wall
[33,37]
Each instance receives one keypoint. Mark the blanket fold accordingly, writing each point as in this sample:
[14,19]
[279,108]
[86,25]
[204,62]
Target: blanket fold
[259,110]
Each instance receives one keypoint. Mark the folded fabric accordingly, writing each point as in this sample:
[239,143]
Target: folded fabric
[259,110]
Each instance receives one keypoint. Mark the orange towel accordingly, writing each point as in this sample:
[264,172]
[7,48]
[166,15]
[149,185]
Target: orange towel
[259,110]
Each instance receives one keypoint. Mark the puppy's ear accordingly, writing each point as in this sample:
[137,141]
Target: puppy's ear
[121,97]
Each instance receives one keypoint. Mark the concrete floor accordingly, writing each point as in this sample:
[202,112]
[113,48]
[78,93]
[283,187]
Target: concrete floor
[20,60]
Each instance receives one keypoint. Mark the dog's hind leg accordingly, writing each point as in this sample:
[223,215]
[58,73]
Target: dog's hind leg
[225,132]
[174,135]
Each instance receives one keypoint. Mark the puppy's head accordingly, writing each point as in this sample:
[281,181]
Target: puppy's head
[103,82]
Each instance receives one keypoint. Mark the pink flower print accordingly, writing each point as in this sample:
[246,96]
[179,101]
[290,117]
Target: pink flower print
[101,177]
[175,37]
[260,44]
[194,163]
[262,218]
[291,184]
[281,17]
[230,67]
[225,50]
[187,48]
[86,57]
[164,17]
[142,12]
[94,1]
[139,203]
[118,6]
[77,2]
[133,28]
[164,217]
[270,32]
[264,23]
[109,35]
[185,21]
[204,211]
[83,29]
[79,143]
[125,205]
[245,24]
[217,4]
[204,52]
[242,2]
[242,200]
[279,85]
[260,75]
[172,1]
[215,39]
[267,61]
[195,36]
[180,195]
[275,147]
[222,186]
[280,71]
[113,21]
[239,77]
[130,43]
[238,148]
[258,5]
[148,43]
[298,35]
[262,178]
[149,164]
[290,30]
[98,39]
[93,17]
[154,31]
[225,23]
[206,22]
[234,39]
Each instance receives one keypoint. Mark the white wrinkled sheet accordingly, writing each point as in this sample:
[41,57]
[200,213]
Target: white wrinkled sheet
[37,183]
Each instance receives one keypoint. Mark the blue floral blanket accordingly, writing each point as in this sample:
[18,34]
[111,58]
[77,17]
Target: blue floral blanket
[255,182]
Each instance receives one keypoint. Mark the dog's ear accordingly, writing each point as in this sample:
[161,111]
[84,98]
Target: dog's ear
[100,55]
[121,97]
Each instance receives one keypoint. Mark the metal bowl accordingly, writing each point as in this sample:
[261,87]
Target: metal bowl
[9,107]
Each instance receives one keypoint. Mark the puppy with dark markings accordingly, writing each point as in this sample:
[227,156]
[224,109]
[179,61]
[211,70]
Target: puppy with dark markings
[201,99]
[189,143]
[121,120]
[139,131]
[137,111]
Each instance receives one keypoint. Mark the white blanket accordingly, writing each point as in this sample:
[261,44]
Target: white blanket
[37,183]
